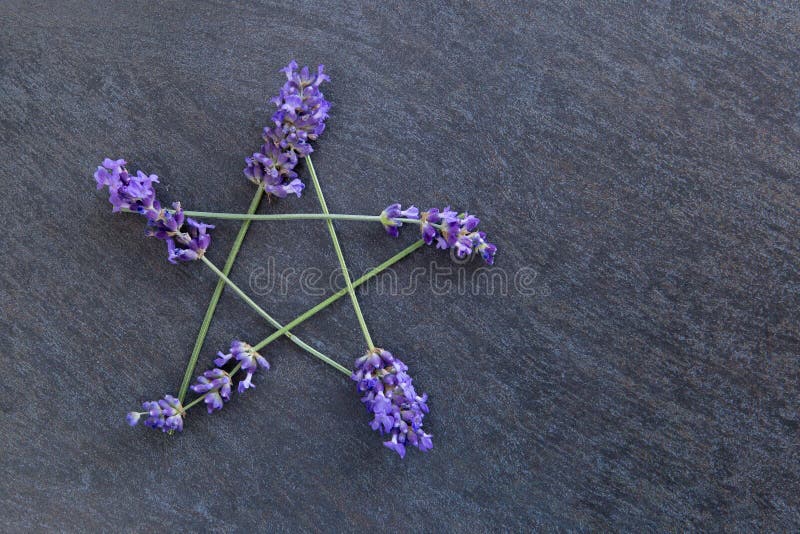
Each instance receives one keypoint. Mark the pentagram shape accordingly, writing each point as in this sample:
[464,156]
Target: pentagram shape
[224,280]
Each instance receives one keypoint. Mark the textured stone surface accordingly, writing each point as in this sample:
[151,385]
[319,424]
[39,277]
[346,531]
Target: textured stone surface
[637,163]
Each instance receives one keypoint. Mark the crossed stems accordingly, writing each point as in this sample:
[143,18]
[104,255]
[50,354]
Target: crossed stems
[285,329]
[247,218]
[297,341]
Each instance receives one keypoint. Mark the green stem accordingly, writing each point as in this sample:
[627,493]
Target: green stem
[289,216]
[212,304]
[284,216]
[321,306]
[340,256]
[271,320]
[295,217]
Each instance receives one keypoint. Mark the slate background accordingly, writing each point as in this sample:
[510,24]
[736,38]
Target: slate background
[636,161]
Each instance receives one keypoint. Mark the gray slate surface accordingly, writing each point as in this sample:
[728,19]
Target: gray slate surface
[637,161]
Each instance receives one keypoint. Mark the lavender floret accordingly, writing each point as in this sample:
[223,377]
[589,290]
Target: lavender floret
[393,212]
[271,165]
[250,359]
[190,243]
[216,384]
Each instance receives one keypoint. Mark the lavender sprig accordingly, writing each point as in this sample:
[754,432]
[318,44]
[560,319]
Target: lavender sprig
[446,228]
[300,119]
[388,393]
[187,239]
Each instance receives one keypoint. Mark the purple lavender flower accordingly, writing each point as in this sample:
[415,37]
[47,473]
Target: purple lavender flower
[271,165]
[125,191]
[300,119]
[390,215]
[187,239]
[446,228]
[133,418]
[388,393]
[164,414]
[295,187]
[427,228]
[449,227]
[249,358]
[164,224]
[216,384]
[469,222]
[191,243]
[486,249]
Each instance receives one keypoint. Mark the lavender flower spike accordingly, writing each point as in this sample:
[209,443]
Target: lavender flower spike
[388,393]
[446,229]
[165,414]
[300,119]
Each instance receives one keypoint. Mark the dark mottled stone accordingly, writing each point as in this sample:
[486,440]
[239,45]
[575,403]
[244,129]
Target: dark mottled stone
[637,162]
